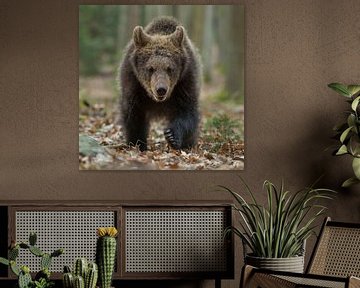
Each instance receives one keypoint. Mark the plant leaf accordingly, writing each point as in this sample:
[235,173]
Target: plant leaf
[353,89]
[342,150]
[354,145]
[356,167]
[345,134]
[349,182]
[340,88]
[351,120]
[4,261]
[355,103]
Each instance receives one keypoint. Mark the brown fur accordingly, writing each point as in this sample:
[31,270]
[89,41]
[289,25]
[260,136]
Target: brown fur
[160,76]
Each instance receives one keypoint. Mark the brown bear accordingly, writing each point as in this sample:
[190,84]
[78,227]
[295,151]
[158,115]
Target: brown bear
[160,78]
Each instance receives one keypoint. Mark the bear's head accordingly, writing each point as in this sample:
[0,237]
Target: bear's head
[158,61]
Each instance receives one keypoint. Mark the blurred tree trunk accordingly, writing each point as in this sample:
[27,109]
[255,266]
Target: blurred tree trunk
[197,25]
[123,32]
[235,81]
[207,44]
[234,58]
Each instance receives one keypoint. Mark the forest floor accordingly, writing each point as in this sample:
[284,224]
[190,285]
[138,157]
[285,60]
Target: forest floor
[102,144]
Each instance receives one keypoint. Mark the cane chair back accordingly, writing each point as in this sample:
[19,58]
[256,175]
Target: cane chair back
[337,252]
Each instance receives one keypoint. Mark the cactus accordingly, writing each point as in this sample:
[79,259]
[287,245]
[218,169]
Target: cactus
[105,254]
[32,238]
[14,268]
[24,245]
[45,261]
[24,278]
[79,282]
[44,273]
[67,269]
[91,276]
[36,251]
[68,280]
[13,253]
[89,272]
[80,267]
[57,252]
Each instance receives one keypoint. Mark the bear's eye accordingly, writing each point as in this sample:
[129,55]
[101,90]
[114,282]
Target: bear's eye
[151,70]
[168,70]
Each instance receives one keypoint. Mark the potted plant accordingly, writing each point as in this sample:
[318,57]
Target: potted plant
[42,278]
[276,233]
[348,133]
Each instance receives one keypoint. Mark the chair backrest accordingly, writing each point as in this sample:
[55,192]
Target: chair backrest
[337,251]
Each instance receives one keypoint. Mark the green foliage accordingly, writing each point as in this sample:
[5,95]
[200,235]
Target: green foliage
[4,261]
[98,26]
[42,278]
[220,129]
[349,131]
[224,96]
[43,283]
[280,229]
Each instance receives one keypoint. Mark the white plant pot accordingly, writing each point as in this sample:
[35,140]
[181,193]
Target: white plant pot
[291,264]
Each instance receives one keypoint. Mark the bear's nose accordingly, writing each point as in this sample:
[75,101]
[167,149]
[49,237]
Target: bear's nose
[161,91]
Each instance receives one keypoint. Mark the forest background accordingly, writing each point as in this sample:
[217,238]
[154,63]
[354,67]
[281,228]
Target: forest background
[218,33]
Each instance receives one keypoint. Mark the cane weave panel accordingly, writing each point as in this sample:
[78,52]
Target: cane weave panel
[304,282]
[175,241]
[75,231]
[338,253]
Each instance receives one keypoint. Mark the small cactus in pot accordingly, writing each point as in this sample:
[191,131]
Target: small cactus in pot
[106,254]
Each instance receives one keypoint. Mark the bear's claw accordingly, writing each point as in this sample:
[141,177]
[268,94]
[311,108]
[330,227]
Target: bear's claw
[171,139]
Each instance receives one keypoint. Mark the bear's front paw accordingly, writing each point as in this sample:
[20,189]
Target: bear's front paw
[171,138]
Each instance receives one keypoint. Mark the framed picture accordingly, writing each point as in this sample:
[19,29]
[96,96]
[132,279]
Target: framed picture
[161,87]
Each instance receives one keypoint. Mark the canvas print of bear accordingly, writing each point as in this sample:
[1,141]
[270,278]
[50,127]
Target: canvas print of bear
[161,87]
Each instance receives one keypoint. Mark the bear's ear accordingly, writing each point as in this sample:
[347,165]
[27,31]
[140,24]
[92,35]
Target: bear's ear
[140,37]
[177,37]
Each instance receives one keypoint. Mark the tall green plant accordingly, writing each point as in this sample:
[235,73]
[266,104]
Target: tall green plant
[279,229]
[349,132]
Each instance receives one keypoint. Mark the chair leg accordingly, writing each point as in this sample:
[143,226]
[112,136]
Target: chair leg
[246,273]
[217,283]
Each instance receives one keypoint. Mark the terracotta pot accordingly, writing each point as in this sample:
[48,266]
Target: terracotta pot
[291,264]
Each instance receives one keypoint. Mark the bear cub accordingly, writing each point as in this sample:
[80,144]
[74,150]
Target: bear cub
[160,78]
